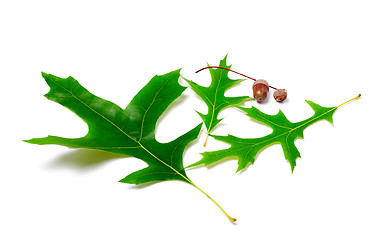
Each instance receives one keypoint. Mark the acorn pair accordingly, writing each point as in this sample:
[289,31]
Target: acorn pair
[261,88]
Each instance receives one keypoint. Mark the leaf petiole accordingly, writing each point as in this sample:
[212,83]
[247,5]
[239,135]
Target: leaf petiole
[358,96]
[226,214]
[193,184]
[206,140]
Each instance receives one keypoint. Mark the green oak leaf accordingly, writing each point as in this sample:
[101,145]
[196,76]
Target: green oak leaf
[214,97]
[129,132]
[284,133]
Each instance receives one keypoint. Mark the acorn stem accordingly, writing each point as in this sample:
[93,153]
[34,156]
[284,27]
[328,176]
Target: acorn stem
[230,71]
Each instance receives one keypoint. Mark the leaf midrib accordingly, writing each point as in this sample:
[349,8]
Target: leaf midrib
[214,103]
[287,132]
[122,131]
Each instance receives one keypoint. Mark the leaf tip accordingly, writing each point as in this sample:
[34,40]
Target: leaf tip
[27,141]
[308,101]
[293,165]
[178,71]
[198,163]
[223,63]
[44,75]
[128,180]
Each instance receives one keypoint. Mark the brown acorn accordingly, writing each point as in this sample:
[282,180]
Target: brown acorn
[280,95]
[260,89]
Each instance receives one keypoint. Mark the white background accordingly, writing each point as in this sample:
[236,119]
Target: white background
[324,51]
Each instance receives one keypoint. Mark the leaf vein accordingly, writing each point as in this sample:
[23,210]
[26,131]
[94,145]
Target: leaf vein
[146,111]
[126,134]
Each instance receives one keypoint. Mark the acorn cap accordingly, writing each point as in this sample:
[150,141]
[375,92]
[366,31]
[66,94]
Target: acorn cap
[262,81]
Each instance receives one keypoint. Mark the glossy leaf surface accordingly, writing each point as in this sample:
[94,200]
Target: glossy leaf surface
[130,132]
[213,96]
[284,133]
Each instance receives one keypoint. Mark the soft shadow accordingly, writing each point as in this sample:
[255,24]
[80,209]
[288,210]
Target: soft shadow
[268,99]
[143,185]
[84,159]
